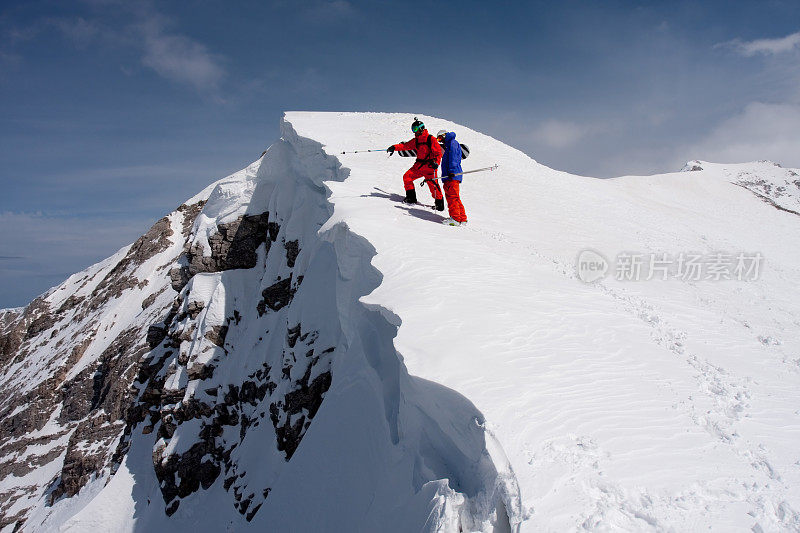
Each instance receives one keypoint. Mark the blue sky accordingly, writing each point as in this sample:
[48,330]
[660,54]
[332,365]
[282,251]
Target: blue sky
[112,113]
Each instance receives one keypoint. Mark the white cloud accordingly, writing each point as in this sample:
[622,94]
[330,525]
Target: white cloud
[179,58]
[766,46]
[172,55]
[79,31]
[760,131]
[561,134]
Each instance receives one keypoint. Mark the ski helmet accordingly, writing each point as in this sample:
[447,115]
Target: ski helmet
[417,126]
[441,133]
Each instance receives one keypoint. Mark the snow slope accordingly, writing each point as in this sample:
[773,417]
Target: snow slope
[465,377]
[652,404]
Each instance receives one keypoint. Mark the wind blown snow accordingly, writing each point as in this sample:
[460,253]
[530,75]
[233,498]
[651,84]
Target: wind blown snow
[477,383]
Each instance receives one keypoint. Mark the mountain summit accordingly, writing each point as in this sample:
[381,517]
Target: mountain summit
[294,348]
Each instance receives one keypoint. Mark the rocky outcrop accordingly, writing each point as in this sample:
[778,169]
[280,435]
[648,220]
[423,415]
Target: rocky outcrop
[276,296]
[75,421]
[12,331]
[121,277]
[233,246]
[196,378]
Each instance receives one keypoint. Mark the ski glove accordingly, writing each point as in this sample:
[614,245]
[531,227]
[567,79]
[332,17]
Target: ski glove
[390,150]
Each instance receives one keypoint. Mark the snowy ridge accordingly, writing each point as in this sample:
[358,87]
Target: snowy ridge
[233,367]
[300,350]
[633,405]
[775,185]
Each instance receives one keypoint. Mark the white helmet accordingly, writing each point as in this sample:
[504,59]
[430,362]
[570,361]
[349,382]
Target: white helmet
[441,133]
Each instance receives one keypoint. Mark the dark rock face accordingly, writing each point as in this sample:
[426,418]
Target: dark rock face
[190,213]
[121,277]
[233,246]
[217,335]
[105,385]
[89,410]
[98,399]
[306,397]
[12,331]
[156,334]
[41,322]
[276,296]
[193,469]
[292,251]
[133,386]
[80,462]
[194,309]
[238,405]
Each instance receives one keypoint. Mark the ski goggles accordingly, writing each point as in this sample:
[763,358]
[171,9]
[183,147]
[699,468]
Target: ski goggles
[418,128]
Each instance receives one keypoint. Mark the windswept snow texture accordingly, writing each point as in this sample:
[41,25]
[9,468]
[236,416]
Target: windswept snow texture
[297,349]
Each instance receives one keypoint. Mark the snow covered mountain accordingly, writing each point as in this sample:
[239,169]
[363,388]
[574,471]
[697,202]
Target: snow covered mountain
[295,349]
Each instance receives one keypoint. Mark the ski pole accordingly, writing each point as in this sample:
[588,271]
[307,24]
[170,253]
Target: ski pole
[364,151]
[493,167]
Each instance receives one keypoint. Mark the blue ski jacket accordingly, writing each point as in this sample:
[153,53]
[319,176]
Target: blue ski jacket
[451,160]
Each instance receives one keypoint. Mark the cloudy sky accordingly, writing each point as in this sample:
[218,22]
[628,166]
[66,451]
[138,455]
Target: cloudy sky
[113,112]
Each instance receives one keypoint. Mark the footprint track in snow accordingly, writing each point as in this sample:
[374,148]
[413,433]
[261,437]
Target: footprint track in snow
[730,395]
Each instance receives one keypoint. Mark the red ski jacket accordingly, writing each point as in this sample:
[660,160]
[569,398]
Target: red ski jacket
[428,150]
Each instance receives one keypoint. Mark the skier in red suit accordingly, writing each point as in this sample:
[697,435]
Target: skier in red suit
[429,156]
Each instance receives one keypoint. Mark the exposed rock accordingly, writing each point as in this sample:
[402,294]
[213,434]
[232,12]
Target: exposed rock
[12,331]
[749,186]
[128,388]
[121,277]
[179,277]
[150,300]
[182,475]
[201,372]
[88,452]
[99,399]
[104,385]
[233,246]
[292,334]
[190,213]
[305,399]
[292,251]
[70,303]
[156,334]
[217,335]
[38,318]
[194,308]
[275,296]
[273,228]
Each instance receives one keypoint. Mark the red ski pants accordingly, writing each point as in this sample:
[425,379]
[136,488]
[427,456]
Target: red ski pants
[419,171]
[454,205]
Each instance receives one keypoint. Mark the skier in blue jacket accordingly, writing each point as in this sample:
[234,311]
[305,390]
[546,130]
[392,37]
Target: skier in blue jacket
[451,165]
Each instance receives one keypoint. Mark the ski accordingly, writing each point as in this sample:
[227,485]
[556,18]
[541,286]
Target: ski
[360,151]
[493,167]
